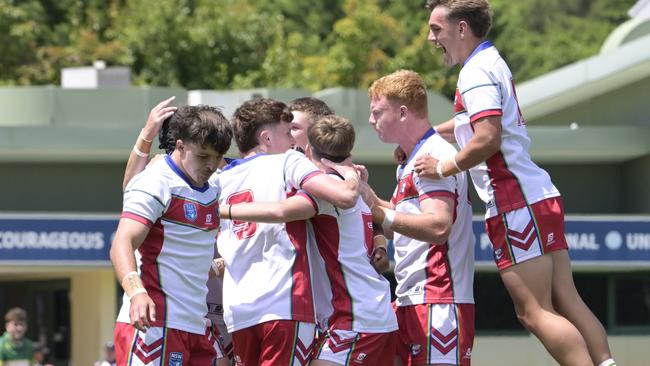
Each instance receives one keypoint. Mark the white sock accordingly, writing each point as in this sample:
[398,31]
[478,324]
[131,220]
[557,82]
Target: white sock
[608,362]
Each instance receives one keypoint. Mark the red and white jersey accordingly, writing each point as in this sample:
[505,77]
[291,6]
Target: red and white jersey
[434,273]
[349,293]
[509,179]
[174,258]
[267,267]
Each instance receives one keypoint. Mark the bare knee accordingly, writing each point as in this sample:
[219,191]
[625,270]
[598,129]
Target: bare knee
[530,319]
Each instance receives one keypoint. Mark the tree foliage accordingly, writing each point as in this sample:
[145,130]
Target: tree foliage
[311,44]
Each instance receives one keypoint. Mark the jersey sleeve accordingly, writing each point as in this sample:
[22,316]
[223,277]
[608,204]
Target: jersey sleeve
[298,169]
[481,94]
[320,205]
[145,198]
[430,188]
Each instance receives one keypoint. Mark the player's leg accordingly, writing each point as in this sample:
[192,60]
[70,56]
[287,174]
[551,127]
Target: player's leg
[568,302]
[286,342]
[549,216]
[530,284]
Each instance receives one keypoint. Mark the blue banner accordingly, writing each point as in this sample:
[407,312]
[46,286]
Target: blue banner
[592,240]
[62,240]
[65,240]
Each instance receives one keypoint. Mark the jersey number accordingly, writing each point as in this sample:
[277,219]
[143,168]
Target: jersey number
[242,229]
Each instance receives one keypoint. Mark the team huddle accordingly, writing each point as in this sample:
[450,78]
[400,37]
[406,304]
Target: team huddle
[276,257]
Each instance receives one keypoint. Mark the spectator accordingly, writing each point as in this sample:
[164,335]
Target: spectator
[15,349]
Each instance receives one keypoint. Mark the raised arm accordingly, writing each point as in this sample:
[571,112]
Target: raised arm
[139,156]
[291,209]
[129,236]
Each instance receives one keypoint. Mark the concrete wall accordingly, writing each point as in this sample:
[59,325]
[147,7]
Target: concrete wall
[636,186]
[96,187]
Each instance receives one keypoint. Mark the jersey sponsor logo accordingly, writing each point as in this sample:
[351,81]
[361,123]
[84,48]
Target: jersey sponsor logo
[415,349]
[415,290]
[208,218]
[550,239]
[187,212]
[362,356]
[190,211]
[175,359]
[498,254]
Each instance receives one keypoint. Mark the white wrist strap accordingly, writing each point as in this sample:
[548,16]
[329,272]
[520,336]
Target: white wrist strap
[389,217]
[136,292]
[130,274]
[142,137]
[456,164]
[140,153]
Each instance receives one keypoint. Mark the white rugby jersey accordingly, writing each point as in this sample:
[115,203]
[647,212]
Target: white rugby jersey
[349,293]
[175,256]
[428,273]
[509,179]
[267,270]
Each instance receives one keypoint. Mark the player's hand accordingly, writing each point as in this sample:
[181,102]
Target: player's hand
[157,115]
[219,266]
[342,168]
[425,166]
[142,312]
[380,259]
[363,172]
[399,155]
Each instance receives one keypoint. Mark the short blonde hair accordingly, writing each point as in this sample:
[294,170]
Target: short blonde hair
[403,86]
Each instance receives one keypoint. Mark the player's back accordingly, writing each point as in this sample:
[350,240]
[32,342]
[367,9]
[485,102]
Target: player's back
[267,269]
[350,294]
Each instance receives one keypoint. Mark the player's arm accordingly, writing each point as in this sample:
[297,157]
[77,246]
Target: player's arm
[380,249]
[446,130]
[483,145]
[370,197]
[129,236]
[139,156]
[291,209]
[340,193]
[433,225]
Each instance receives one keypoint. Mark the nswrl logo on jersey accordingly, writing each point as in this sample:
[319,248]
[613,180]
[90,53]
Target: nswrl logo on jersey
[175,359]
[190,211]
